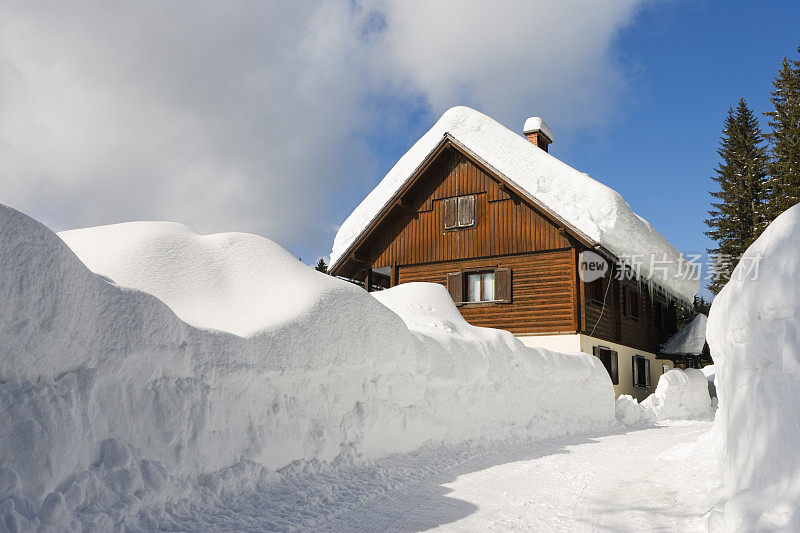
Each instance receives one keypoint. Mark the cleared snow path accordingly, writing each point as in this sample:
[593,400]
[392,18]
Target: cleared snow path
[641,480]
[654,479]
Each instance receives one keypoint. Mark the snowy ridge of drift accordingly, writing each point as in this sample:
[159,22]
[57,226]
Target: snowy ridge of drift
[114,411]
[593,208]
[225,281]
[754,335]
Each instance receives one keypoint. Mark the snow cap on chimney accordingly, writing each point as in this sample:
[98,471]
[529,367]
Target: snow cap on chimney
[538,132]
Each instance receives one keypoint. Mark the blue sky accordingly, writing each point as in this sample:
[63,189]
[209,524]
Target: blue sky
[278,118]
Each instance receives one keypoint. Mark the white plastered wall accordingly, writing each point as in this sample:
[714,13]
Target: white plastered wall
[557,343]
[625,366]
[584,343]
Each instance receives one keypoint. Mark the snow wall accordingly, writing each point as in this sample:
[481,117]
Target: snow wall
[112,408]
[754,336]
[679,395]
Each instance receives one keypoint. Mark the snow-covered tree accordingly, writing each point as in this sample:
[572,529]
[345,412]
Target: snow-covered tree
[737,217]
[784,138]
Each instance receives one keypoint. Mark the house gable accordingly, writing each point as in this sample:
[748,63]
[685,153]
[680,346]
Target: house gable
[411,231]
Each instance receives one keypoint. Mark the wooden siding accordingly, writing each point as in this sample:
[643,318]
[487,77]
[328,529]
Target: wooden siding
[547,296]
[503,224]
[641,333]
[542,291]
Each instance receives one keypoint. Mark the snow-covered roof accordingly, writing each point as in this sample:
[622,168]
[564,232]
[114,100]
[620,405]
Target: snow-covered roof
[585,205]
[689,340]
[537,124]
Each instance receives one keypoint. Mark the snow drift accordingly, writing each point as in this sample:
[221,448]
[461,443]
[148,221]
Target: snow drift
[592,208]
[226,281]
[188,367]
[754,336]
[679,395]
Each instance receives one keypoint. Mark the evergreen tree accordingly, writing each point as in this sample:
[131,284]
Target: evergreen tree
[737,218]
[322,266]
[686,313]
[784,138]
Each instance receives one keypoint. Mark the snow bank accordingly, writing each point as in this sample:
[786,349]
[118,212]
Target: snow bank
[754,335]
[226,281]
[679,395]
[629,411]
[597,211]
[115,412]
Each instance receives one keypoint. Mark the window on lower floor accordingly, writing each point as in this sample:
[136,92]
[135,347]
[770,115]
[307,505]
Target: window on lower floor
[610,360]
[641,371]
[480,286]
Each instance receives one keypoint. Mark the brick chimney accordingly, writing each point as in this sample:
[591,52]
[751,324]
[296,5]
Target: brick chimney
[538,132]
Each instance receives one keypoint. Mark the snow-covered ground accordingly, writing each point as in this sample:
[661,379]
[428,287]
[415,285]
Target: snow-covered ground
[655,479]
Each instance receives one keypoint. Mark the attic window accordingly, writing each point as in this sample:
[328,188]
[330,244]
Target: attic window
[459,212]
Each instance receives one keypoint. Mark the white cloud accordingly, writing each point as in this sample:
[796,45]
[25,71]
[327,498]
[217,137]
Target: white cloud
[511,58]
[256,116]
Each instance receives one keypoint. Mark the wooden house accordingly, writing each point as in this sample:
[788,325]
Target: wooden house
[505,227]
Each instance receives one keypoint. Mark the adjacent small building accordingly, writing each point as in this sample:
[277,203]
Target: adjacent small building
[523,242]
[688,347]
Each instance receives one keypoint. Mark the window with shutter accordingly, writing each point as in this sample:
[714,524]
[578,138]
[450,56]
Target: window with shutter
[595,290]
[641,371]
[609,358]
[459,212]
[630,301]
[480,286]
